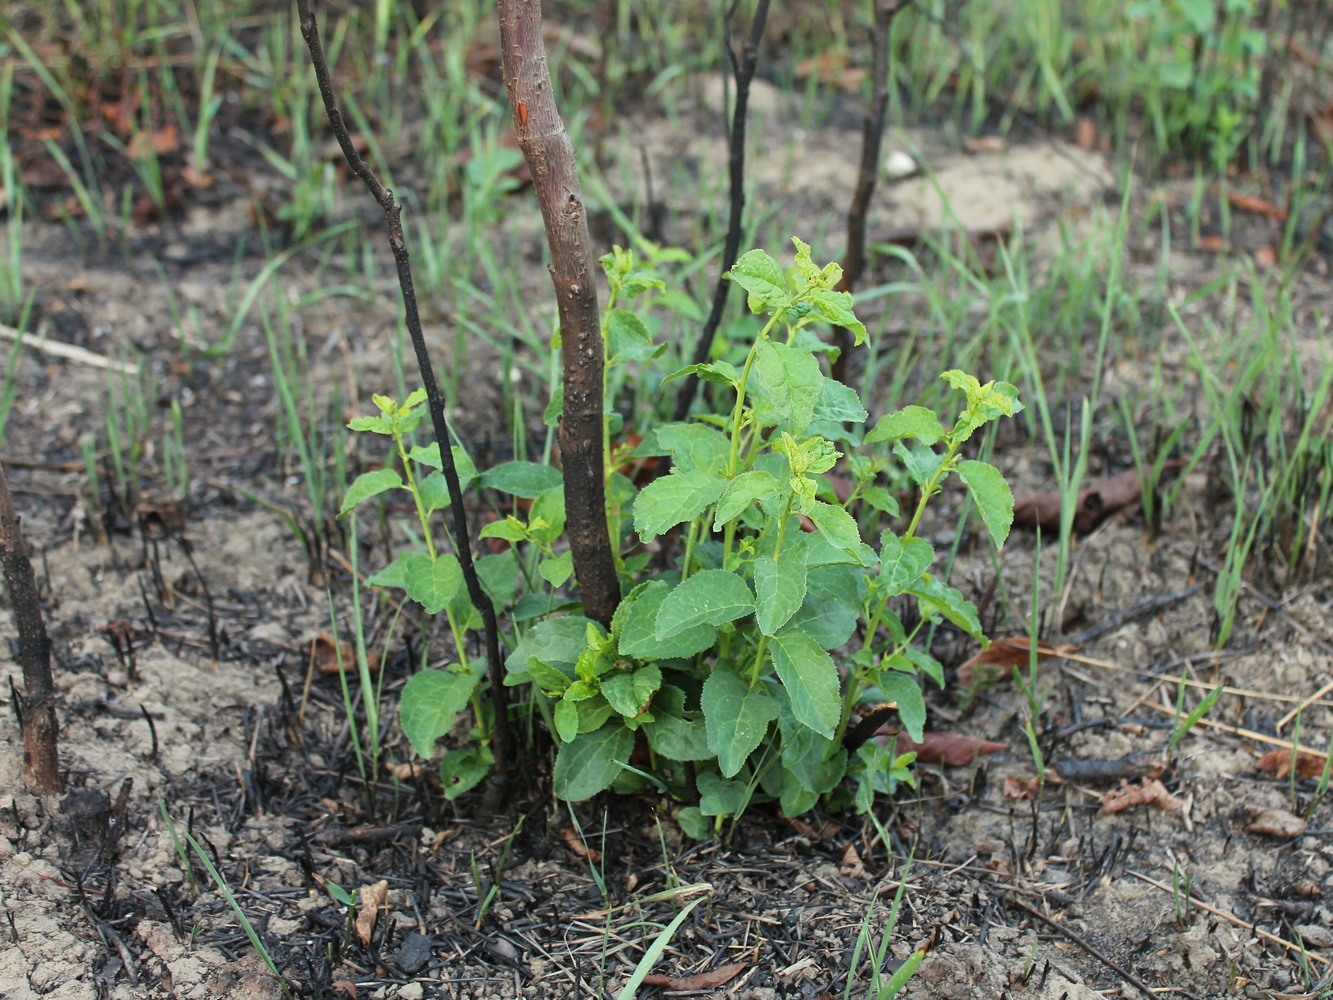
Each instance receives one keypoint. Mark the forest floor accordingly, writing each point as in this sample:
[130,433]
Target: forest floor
[188,686]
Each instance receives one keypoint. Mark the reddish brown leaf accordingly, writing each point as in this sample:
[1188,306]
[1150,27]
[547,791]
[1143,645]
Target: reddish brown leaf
[325,653]
[1256,205]
[575,843]
[998,660]
[1278,762]
[698,981]
[1148,792]
[1019,788]
[1265,258]
[851,865]
[1096,501]
[833,67]
[949,749]
[1213,244]
[1085,134]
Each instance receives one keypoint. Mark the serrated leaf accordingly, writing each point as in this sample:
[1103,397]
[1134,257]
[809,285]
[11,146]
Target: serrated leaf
[372,425]
[717,372]
[735,718]
[934,596]
[710,597]
[811,679]
[432,583]
[792,382]
[590,762]
[992,495]
[557,641]
[625,329]
[836,307]
[630,693]
[779,590]
[429,703]
[914,422]
[528,480]
[761,276]
[674,499]
[840,403]
[695,447]
[745,489]
[829,623]
[434,491]
[904,691]
[638,635]
[370,484]
[902,563]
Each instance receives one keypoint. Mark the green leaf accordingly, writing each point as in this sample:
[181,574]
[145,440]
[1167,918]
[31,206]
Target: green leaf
[556,641]
[744,490]
[638,636]
[904,691]
[761,276]
[792,382]
[901,563]
[675,734]
[370,484]
[462,770]
[935,597]
[735,717]
[836,307]
[499,573]
[590,762]
[546,517]
[557,570]
[993,497]
[429,704]
[915,422]
[840,403]
[566,720]
[673,499]
[552,680]
[528,480]
[431,583]
[625,330]
[710,597]
[811,679]
[695,447]
[720,797]
[630,693]
[779,589]
[829,623]
[920,461]
[434,490]
[840,529]
[372,425]
[429,455]
[511,529]
[717,372]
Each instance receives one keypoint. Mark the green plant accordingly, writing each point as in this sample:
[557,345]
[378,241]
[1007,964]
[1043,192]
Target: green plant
[1185,721]
[703,659]
[881,988]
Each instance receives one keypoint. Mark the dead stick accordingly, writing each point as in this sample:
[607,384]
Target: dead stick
[70,352]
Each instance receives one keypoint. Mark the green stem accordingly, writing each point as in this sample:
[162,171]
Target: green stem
[930,489]
[412,487]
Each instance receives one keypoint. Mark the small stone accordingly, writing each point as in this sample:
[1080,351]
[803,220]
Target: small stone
[899,165]
[414,953]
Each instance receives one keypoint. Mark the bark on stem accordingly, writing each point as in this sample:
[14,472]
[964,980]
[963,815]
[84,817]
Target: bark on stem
[37,708]
[550,157]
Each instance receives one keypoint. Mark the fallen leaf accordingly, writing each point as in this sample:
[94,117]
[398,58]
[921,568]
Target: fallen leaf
[1308,765]
[1265,257]
[1213,244]
[344,986]
[949,749]
[1256,205]
[370,900]
[1276,823]
[998,660]
[698,981]
[1085,134]
[405,772]
[1020,788]
[576,844]
[850,866]
[1096,502]
[1127,796]
[325,654]
[833,67]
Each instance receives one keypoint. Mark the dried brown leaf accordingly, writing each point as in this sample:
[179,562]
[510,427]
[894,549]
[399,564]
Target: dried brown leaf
[1278,762]
[1129,795]
[851,866]
[325,652]
[949,749]
[1276,823]
[699,981]
[1020,788]
[370,900]
[1096,502]
[576,844]
[998,660]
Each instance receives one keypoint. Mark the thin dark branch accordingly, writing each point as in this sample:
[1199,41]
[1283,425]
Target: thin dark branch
[435,401]
[37,710]
[743,69]
[872,142]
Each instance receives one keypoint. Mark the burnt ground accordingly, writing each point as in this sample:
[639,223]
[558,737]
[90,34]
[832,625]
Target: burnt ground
[187,686]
